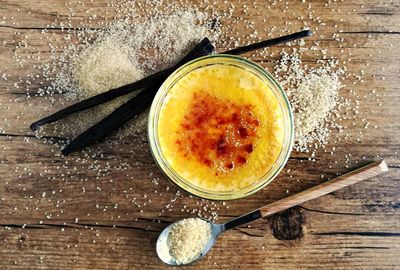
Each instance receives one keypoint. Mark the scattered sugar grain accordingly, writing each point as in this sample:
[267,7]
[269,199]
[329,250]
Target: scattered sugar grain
[314,96]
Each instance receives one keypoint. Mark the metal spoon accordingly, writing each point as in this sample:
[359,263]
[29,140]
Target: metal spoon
[350,178]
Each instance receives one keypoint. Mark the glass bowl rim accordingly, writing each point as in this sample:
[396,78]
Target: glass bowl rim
[162,163]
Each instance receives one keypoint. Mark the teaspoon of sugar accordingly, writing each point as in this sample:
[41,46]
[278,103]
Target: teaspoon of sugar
[163,249]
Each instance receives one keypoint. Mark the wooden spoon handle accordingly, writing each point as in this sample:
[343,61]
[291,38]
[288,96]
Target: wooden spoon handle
[345,180]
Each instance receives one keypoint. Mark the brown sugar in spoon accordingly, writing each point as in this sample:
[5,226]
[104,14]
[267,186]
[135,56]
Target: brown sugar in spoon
[345,180]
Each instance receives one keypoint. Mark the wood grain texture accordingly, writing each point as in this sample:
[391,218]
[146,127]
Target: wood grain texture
[53,218]
[350,178]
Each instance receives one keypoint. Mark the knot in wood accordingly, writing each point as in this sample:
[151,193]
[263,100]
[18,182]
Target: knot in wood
[287,225]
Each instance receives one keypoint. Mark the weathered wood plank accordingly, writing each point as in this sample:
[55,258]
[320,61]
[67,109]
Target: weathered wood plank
[88,219]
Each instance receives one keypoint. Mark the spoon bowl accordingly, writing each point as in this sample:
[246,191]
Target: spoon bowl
[163,249]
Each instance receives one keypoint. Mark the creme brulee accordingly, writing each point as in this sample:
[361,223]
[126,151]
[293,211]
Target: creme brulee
[220,128]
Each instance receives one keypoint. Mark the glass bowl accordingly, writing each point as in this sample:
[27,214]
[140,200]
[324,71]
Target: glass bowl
[261,74]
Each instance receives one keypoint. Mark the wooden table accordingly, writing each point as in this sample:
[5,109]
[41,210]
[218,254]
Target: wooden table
[51,218]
